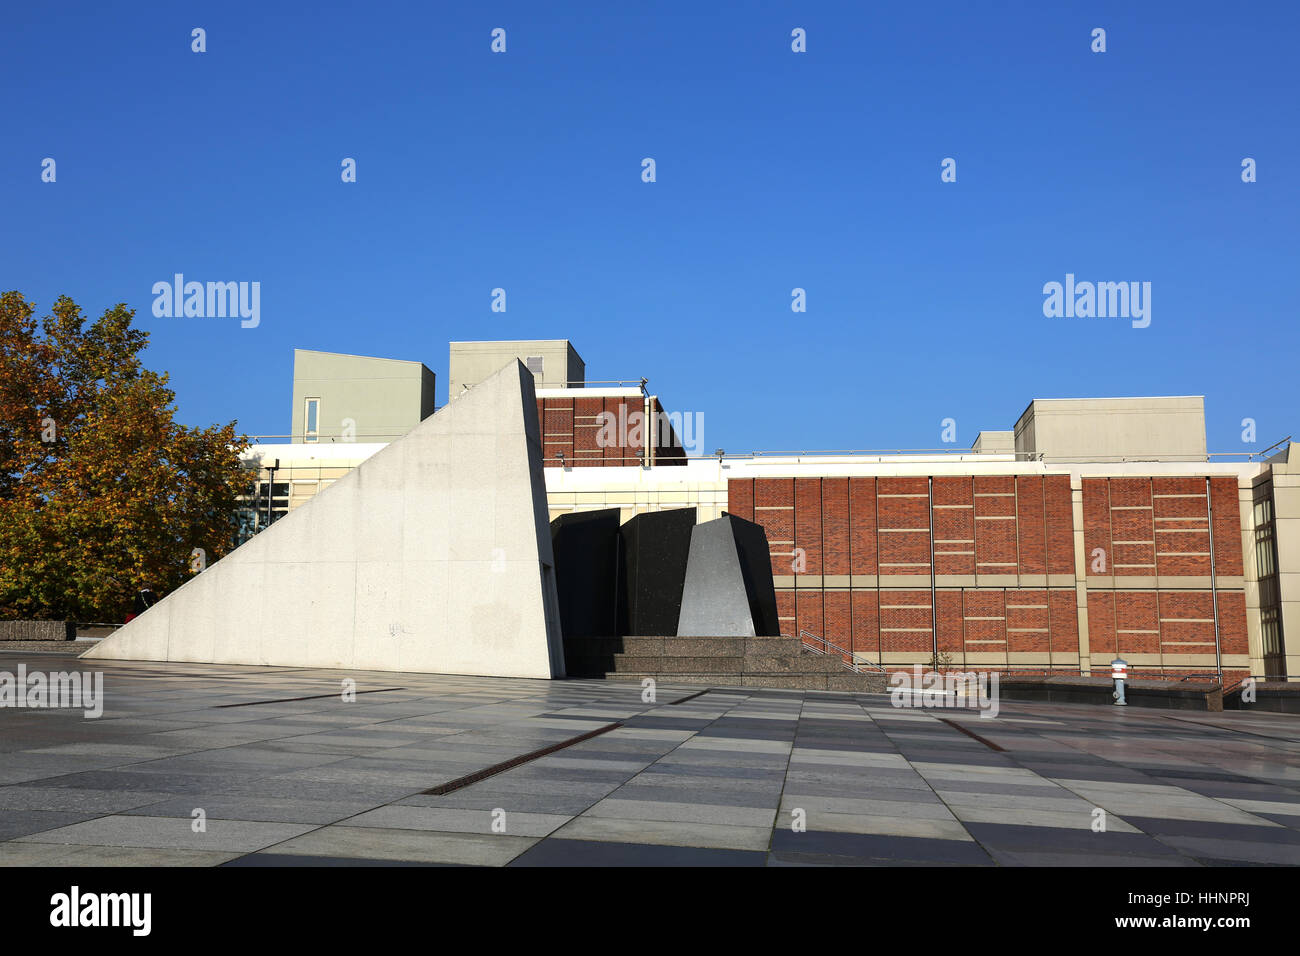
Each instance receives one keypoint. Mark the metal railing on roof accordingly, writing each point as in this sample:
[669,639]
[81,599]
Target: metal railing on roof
[324,439]
[1019,456]
[640,383]
[1245,456]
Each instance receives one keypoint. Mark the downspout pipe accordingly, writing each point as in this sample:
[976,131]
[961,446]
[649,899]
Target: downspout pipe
[934,609]
[1214,591]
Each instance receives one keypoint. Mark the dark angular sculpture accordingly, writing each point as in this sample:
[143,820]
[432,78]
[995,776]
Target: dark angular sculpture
[729,590]
[655,547]
[586,549]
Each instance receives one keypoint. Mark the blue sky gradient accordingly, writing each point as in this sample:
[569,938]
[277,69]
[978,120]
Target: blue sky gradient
[775,170]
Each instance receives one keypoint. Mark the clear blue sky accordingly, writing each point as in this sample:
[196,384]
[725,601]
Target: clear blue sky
[775,170]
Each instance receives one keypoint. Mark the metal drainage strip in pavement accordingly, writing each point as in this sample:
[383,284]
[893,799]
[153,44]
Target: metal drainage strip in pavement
[290,700]
[970,733]
[510,764]
[682,700]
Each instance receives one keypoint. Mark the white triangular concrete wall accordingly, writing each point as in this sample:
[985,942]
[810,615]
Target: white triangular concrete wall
[433,556]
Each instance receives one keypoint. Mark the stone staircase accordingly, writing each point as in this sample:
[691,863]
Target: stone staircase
[776,662]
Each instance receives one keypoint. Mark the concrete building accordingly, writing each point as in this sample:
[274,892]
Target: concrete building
[344,409]
[357,398]
[1276,560]
[1097,528]
[994,443]
[555,363]
[1113,429]
[347,407]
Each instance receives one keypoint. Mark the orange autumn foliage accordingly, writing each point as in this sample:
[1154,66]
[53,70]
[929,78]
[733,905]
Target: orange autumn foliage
[101,491]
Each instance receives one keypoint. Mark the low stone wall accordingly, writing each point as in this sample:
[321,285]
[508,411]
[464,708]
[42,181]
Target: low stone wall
[1097,690]
[1278,697]
[38,631]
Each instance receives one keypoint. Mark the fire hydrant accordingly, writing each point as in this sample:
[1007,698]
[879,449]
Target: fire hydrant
[1119,673]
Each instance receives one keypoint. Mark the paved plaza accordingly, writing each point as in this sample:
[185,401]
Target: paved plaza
[287,773]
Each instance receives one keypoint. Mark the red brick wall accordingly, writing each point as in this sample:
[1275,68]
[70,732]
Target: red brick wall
[954,526]
[557,429]
[669,450]
[1101,623]
[999,525]
[1031,525]
[1227,526]
[1028,621]
[995,525]
[808,524]
[835,526]
[1096,525]
[774,510]
[1063,619]
[586,426]
[951,623]
[864,604]
[903,526]
[904,621]
[1159,526]
[571,427]
[740,499]
[862,525]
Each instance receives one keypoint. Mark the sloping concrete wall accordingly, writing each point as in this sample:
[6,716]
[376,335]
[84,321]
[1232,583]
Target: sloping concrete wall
[432,556]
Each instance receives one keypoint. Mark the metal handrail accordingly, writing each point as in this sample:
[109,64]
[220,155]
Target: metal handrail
[852,662]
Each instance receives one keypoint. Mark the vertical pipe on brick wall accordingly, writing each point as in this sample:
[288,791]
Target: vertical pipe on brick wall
[649,434]
[934,609]
[1214,591]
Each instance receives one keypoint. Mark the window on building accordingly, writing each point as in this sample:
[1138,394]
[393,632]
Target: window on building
[311,420]
[536,364]
[1272,638]
[268,503]
[272,501]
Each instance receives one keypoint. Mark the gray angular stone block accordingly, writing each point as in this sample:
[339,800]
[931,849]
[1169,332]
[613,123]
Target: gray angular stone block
[656,546]
[728,590]
[586,546]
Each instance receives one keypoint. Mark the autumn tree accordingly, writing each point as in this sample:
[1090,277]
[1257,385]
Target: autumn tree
[101,491]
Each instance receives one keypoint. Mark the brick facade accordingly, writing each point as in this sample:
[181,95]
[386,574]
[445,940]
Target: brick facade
[571,426]
[852,562]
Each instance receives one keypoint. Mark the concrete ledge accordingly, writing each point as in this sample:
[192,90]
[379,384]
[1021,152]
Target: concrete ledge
[38,631]
[773,646]
[678,665]
[1097,690]
[791,664]
[704,646]
[1278,697]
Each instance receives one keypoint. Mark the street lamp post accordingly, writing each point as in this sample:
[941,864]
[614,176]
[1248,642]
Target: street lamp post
[270,490]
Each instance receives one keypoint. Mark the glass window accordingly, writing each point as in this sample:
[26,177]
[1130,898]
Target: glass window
[311,429]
